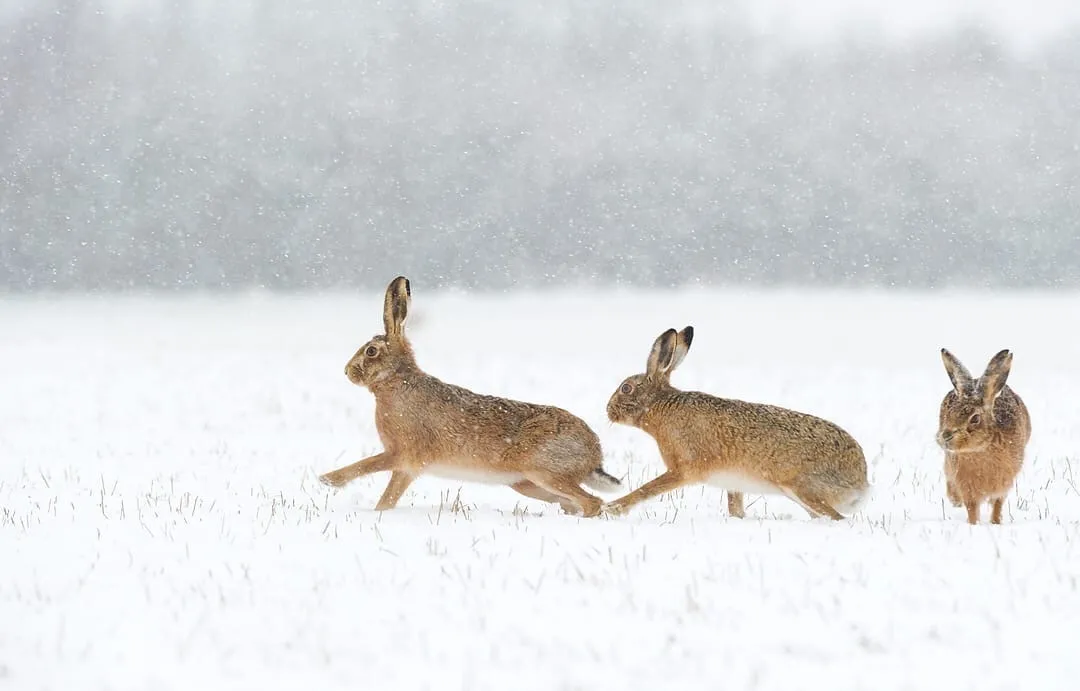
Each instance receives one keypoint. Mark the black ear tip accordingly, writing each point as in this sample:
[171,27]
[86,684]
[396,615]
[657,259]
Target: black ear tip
[688,334]
[402,280]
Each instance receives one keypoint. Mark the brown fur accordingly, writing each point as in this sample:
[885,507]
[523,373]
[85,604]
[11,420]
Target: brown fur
[737,445]
[429,426]
[984,428]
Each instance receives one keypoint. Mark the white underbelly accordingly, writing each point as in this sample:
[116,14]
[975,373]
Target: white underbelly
[740,482]
[479,475]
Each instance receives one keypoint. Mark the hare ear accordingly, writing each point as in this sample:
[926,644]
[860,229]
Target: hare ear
[682,345]
[396,307]
[661,355]
[993,379]
[962,380]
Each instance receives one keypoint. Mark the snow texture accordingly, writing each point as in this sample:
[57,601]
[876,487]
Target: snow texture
[161,524]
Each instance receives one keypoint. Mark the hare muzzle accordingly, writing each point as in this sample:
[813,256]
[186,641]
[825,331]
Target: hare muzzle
[354,372]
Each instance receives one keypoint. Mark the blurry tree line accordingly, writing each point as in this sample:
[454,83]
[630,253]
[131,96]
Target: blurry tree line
[482,143]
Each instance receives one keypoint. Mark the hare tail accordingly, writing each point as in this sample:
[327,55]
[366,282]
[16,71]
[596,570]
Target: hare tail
[856,500]
[602,481]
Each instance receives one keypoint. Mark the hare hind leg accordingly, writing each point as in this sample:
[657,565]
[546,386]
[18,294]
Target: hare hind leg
[815,504]
[534,491]
[567,489]
[550,457]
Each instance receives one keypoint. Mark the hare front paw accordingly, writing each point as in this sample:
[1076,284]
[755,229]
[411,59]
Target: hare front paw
[612,509]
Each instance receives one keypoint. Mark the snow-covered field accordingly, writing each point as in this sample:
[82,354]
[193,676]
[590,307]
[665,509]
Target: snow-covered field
[162,527]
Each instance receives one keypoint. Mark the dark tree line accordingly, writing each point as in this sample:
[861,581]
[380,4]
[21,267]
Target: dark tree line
[480,143]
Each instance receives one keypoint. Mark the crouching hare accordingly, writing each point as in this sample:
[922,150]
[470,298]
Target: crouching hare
[736,445]
[983,428]
[429,426]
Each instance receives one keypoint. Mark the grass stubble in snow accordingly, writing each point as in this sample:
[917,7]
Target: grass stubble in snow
[162,525]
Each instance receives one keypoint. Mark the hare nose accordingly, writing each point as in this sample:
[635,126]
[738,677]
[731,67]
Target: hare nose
[947,434]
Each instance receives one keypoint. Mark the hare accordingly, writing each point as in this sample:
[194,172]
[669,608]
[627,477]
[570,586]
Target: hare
[983,428]
[429,426]
[736,445]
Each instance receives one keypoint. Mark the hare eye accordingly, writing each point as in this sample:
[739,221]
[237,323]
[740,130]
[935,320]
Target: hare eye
[975,420]
[371,351]
[627,387]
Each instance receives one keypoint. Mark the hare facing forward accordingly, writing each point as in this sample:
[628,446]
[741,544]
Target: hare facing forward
[735,445]
[429,426]
[983,428]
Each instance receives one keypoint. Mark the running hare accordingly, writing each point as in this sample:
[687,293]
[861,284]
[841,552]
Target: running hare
[735,445]
[429,426]
[983,427]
